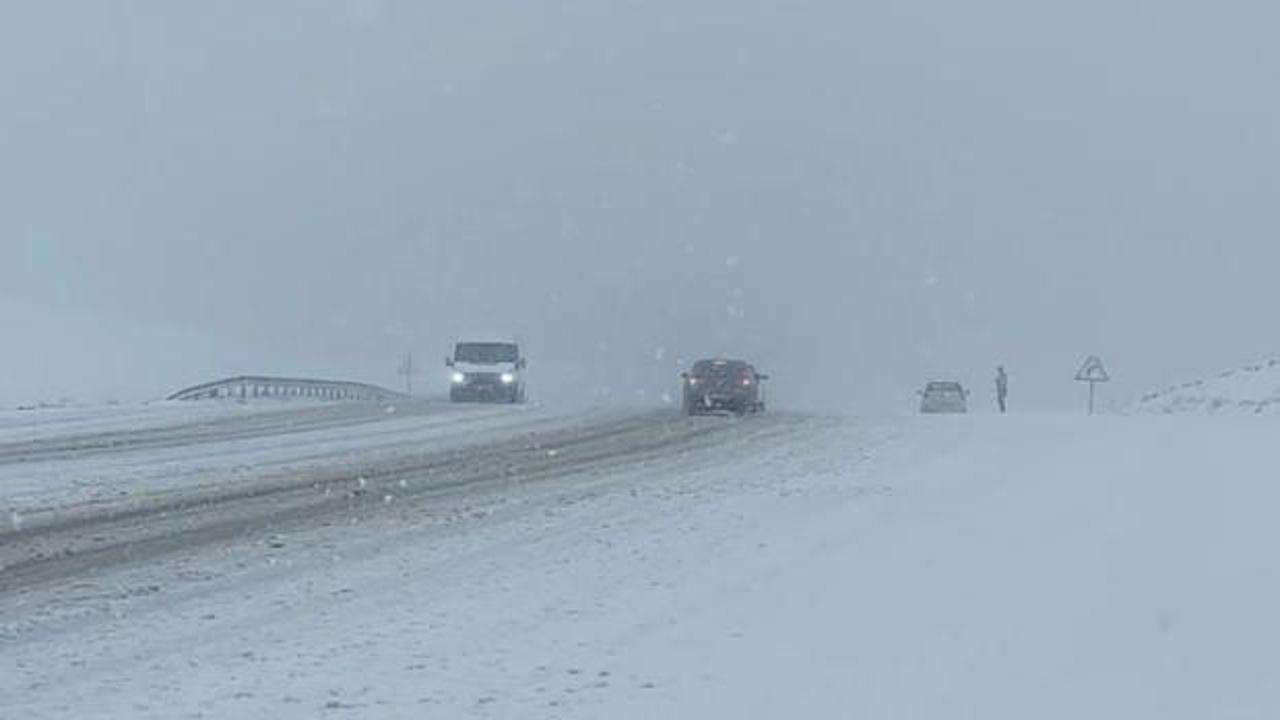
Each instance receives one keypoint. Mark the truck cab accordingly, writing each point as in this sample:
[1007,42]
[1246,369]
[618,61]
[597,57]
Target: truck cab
[486,371]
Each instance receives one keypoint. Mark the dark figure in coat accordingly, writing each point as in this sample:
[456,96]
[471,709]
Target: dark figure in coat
[1002,388]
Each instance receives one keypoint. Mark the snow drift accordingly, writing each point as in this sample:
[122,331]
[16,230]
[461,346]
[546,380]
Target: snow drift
[1250,390]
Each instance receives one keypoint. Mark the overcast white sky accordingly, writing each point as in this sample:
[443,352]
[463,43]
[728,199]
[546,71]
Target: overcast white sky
[859,195]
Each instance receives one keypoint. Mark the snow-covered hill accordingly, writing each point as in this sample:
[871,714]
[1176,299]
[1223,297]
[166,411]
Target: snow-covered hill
[1250,390]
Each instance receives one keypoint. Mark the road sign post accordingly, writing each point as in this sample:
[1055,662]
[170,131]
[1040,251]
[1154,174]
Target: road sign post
[408,370]
[1093,373]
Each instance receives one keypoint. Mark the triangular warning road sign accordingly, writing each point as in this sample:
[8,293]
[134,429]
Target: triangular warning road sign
[1092,371]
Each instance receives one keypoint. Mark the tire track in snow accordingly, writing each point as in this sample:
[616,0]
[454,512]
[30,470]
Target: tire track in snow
[222,429]
[72,545]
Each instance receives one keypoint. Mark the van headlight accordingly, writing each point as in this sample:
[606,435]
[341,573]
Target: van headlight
[459,378]
[508,378]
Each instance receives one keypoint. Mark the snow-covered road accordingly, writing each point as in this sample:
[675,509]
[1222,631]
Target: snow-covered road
[120,455]
[784,566]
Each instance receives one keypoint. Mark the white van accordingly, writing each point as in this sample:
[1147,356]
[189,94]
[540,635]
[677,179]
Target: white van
[486,371]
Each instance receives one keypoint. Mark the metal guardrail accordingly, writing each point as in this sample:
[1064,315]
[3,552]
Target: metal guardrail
[250,386]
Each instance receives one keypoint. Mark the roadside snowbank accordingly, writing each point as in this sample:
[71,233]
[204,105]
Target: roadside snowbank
[34,423]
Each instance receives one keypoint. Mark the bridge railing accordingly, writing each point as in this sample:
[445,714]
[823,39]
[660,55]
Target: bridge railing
[246,387]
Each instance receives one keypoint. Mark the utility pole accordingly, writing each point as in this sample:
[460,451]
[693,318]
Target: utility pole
[407,370]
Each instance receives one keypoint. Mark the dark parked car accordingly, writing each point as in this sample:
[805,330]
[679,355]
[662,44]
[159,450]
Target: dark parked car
[944,397]
[724,385]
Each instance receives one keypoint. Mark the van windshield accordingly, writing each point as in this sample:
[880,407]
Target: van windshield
[486,353]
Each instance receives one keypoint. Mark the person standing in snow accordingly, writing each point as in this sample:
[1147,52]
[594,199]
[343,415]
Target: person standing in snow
[1002,388]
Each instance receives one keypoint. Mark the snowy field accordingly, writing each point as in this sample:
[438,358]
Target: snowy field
[967,567]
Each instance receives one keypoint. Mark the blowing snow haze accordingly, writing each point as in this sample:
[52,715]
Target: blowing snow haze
[875,192]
